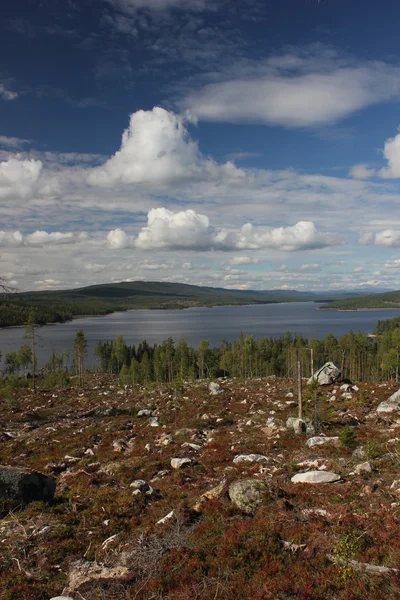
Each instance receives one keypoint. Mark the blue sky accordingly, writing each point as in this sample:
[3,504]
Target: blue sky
[248,144]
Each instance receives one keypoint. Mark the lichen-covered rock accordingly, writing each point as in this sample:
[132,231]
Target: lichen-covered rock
[248,494]
[25,485]
[327,374]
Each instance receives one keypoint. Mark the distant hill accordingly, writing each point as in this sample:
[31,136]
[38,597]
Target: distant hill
[61,305]
[385,300]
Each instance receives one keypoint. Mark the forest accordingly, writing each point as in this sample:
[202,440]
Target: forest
[361,357]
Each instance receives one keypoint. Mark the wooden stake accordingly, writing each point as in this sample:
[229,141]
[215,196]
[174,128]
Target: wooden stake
[299,390]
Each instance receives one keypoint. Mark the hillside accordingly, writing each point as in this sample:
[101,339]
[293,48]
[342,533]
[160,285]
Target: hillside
[63,305]
[385,300]
[129,520]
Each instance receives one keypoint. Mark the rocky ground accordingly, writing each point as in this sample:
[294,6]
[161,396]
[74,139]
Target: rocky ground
[179,492]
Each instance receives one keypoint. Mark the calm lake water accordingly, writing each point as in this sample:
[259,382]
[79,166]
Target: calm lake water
[195,324]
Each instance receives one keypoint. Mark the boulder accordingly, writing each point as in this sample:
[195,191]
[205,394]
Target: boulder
[327,374]
[390,405]
[316,477]
[243,458]
[300,425]
[248,494]
[25,485]
[214,388]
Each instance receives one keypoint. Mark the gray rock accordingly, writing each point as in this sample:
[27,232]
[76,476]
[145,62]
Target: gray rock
[359,452]
[316,477]
[390,405]
[25,485]
[365,467]
[327,374]
[395,485]
[322,441]
[178,463]
[300,425]
[154,422]
[214,388]
[243,458]
[248,494]
[61,598]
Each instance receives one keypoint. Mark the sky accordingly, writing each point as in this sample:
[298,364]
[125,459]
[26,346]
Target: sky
[247,144]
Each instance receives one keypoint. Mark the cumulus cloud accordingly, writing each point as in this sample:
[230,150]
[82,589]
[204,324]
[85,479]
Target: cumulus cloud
[295,91]
[157,148]
[361,171]
[192,231]
[166,229]
[301,236]
[391,152]
[117,239]
[19,177]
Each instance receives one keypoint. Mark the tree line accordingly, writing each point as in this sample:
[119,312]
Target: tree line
[361,357]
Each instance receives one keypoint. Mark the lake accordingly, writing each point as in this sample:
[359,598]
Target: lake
[195,324]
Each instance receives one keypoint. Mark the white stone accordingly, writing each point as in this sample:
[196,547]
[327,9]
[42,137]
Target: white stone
[178,463]
[364,467]
[145,412]
[321,441]
[154,422]
[316,477]
[395,485]
[243,458]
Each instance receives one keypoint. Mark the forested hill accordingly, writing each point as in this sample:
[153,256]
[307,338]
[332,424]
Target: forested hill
[386,300]
[62,305]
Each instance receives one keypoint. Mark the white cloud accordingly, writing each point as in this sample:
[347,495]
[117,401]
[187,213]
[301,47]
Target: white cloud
[185,229]
[191,230]
[361,171]
[295,91]
[42,238]
[388,237]
[157,148]
[11,238]
[19,177]
[391,152]
[301,236]
[310,268]
[117,239]
[244,260]
[14,143]
[130,6]
[7,94]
